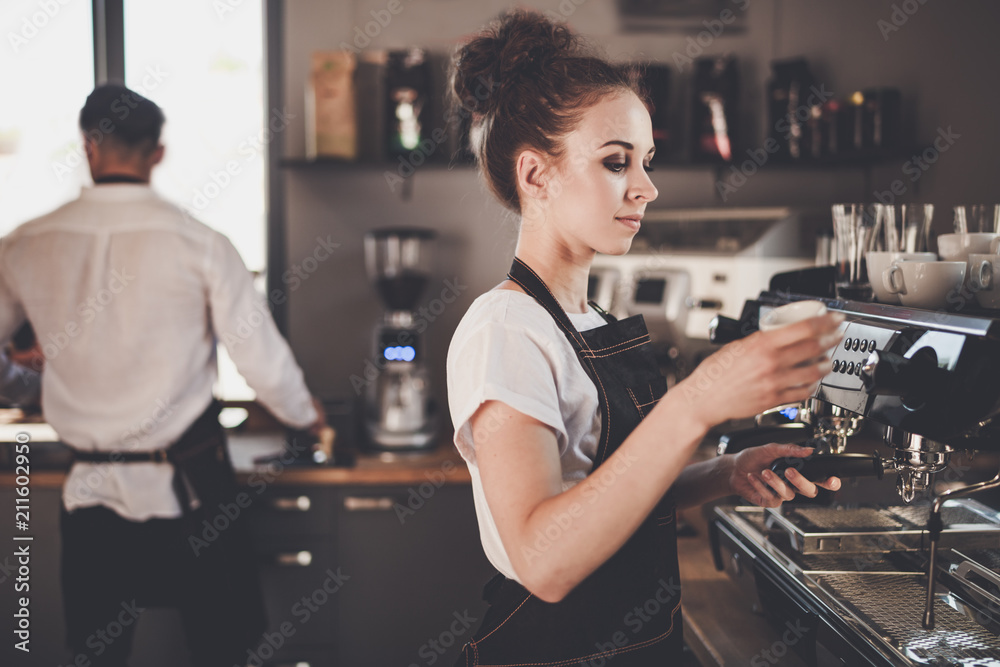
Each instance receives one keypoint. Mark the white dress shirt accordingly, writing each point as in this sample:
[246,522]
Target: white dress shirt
[127,295]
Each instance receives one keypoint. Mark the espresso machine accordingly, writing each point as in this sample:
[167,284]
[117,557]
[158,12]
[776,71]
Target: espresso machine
[399,412]
[910,582]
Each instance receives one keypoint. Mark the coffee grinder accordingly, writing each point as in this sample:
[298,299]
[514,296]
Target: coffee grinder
[398,406]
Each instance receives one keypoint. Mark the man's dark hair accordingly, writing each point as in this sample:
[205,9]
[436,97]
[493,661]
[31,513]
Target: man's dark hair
[123,116]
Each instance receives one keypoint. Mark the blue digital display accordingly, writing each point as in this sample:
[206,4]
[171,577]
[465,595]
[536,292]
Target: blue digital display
[400,353]
[790,413]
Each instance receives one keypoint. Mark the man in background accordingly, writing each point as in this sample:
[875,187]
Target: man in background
[132,294]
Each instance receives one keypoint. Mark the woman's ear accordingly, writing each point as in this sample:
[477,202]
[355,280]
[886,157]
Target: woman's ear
[532,170]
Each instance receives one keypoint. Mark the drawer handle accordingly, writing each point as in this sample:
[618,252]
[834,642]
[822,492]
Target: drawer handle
[299,663]
[292,504]
[294,559]
[362,504]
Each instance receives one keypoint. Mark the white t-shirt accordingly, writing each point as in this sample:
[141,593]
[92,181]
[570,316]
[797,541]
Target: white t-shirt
[508,348]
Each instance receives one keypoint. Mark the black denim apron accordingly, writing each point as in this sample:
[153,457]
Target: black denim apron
[628,611]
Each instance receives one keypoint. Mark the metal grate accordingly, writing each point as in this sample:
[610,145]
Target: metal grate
[834,519]
[950,514]
[874,561]
[893,607]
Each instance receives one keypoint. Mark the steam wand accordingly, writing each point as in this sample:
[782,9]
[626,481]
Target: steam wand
[935,525]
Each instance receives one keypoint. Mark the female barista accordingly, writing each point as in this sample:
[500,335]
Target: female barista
[578,459]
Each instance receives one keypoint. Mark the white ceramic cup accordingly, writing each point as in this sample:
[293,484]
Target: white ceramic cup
[791,313]
[924,284]
[958,247]
[984,273]
[879,260]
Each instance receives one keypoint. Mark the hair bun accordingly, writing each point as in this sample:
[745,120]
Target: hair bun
[518,44]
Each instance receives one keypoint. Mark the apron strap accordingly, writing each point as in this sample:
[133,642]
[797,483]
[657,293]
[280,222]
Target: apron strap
[534,286]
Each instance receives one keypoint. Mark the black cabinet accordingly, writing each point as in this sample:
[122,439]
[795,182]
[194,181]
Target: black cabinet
[416,571]
[352,576]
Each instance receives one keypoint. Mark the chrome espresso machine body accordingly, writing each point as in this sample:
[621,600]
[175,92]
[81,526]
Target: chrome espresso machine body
[911,582]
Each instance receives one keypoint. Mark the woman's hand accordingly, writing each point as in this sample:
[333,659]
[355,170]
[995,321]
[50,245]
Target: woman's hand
[763,370]
[751,476]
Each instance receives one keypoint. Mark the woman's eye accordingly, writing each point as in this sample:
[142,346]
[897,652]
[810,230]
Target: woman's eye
[648,168]
[616,167]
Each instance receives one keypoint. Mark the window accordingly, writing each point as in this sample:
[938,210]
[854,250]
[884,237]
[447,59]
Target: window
[203,63]
[47,66]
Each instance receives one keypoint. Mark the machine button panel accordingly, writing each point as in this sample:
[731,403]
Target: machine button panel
[860,340]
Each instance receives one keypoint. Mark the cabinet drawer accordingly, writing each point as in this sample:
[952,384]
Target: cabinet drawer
[301,589]
[306,656]
[290,510]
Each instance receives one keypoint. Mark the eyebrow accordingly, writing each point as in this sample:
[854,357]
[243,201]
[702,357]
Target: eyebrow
[624,144]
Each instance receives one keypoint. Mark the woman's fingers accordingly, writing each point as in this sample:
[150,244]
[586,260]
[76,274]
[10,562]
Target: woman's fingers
[765,496]
[781,489]
[801,484]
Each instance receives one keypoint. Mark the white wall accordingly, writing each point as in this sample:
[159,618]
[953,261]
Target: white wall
[944,59]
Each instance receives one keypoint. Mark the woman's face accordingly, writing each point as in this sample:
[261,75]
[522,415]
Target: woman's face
[601,186]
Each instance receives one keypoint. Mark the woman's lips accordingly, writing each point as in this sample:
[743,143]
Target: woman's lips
[630,221]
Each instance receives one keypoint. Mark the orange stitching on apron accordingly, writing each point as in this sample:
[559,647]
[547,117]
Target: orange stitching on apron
[638,407]
[504,620]
[636,400]
[634,647]
[611,354]
[609,347]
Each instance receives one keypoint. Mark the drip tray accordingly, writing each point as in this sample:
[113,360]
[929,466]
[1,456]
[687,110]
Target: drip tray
[821,530]
[893,607]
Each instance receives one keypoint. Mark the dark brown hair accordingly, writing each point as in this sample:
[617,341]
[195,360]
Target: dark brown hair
[527,81]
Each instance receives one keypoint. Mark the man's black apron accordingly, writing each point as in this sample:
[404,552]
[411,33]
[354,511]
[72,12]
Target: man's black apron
[215,584]
[628,611]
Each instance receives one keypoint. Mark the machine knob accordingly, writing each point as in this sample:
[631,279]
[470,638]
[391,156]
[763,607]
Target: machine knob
[724,330]
[889,374]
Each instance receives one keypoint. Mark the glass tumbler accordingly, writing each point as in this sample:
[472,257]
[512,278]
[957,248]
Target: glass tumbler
[854,232]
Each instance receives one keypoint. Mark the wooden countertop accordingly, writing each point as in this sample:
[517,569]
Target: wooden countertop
[441,465]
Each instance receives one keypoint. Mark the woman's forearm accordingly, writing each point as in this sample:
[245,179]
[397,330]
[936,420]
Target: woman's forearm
[569,535]
[704,481]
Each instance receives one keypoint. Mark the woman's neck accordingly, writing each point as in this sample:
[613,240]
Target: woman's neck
[565,273]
